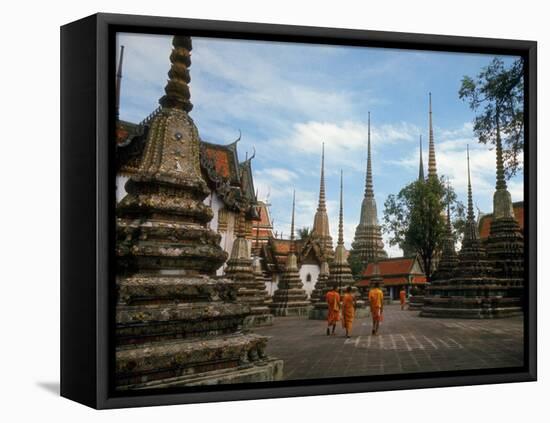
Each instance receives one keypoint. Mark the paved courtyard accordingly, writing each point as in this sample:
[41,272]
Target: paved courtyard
[406,343]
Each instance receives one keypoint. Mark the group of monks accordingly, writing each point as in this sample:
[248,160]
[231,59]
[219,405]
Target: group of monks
[347,305]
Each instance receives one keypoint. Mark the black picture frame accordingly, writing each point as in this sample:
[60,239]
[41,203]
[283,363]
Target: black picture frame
[87,206]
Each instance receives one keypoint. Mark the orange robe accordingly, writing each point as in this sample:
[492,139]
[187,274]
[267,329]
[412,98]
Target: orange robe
[333,301]
[348,311]
[402,297]
[376,298]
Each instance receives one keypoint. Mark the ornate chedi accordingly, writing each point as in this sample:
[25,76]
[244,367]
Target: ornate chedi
[505,241]
[320,231]
[318,295]
[446,269]
[367,245]
[240,270]
[473,291]
[290,298]
[340,272]
[176,325]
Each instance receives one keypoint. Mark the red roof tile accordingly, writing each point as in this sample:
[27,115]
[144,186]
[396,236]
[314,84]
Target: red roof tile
[485,221]
[221,161]
[398,266]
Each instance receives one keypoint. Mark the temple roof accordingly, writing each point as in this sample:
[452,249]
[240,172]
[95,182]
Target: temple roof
[484,223]
[395,271]
[224,159]
[261,229]
[219,162]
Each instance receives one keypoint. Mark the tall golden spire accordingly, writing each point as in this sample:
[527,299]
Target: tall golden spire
[432,169]
[320,222]
[177,88]
[369,187]
[421,164]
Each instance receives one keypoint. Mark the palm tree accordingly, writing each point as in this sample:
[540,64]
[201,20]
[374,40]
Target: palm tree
[303,233]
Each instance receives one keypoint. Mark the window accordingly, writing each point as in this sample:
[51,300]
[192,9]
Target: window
[308,277]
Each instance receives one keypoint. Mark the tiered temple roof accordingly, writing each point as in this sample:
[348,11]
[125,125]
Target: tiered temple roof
[395,271]
[175,324]
[219,164]
[262,229]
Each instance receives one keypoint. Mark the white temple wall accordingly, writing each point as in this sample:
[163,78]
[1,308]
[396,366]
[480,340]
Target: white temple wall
[271,285]
[313,271]
[120,191]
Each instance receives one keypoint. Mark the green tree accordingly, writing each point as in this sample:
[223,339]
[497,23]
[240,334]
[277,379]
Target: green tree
[303,233]
[496,96]
[415,218]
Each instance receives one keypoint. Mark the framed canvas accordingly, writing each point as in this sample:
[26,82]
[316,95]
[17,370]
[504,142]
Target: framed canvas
[260,211]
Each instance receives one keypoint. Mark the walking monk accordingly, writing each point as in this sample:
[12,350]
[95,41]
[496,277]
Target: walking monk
[348,311]
[376,300]
[402,298]
[333,301]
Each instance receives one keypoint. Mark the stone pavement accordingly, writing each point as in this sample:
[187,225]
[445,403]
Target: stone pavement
[406,343]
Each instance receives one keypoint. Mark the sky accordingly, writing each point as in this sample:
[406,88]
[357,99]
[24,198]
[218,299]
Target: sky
[287,99]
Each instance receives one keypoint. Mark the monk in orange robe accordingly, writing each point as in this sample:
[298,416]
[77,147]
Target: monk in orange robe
[333,302]
[402,298]
[348,311]
[376,300]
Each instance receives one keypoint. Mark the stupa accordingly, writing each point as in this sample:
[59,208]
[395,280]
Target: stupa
[473,291]
[505,241]
[176,324]
[318,295]
[240,270]
[340,272]
[290,298]
[367,245]
[446,269]
[320,232]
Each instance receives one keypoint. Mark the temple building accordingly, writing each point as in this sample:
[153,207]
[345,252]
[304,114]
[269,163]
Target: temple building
[367,245]
[262,229]
[396,274]
[485,220]
[176,323]
[310,252]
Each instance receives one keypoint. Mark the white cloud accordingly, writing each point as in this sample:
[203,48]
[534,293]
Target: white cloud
[451,162]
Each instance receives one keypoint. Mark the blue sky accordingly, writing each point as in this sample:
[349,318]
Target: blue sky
[289,98]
